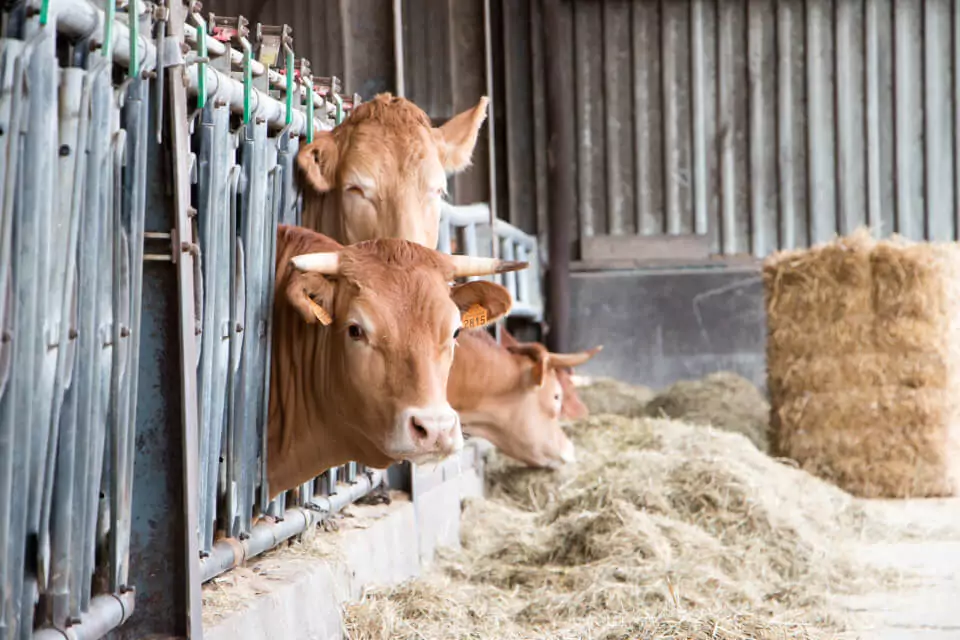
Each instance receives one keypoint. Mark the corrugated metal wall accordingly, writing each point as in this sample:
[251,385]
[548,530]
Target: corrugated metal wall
[760,123]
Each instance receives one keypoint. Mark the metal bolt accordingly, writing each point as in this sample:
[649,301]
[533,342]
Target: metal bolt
[239,328]
[124,332]
[72,334]
[64,150]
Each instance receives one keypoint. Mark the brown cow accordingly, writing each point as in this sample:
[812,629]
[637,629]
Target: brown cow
[363,340]
[572,407]
[380,174]
[511,396]
[383,171]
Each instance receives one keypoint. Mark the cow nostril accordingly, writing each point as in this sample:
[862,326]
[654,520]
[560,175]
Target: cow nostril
[418,428]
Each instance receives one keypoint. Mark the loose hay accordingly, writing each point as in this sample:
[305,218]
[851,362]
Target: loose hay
[862,352]
[606,395]
[724,400]
[662,530]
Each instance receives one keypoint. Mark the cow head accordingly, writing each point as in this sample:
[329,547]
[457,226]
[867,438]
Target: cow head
[573,407]
[383,171]
[364,337]
[512,397]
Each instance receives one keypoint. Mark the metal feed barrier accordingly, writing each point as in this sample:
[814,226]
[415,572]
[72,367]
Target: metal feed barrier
[146,156]
[468,228]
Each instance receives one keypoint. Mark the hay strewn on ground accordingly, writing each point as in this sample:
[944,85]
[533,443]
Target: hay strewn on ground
[662,530]
[723,399]
[606,395]
[863,341]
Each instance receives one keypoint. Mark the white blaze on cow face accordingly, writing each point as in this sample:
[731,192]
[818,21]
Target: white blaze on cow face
[362,351]
[513,397]
[382,173]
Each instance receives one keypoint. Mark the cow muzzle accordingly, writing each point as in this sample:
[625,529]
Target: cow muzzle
[430,433]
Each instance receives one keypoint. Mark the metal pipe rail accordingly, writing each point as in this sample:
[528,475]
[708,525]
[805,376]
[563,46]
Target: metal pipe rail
[514,244]
[215,48]
[80,18]
[229,553]
[106,613]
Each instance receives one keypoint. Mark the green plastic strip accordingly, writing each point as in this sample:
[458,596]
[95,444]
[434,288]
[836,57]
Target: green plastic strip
[309,123]
[338,115]
[290,87]
[107,48]
[247,81]
[44,12]
[201,66]
[134,25]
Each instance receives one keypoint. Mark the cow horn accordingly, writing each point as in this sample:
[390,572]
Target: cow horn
[327,263]
[464,266]
[565,360]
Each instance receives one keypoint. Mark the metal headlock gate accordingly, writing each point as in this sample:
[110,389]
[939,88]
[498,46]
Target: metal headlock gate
[146,157]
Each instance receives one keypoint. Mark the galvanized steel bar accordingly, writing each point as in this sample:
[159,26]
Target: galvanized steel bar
[55,530]
[263,537]
[106,613]
[12,509]
[36,319]
[80,19]
[215,48]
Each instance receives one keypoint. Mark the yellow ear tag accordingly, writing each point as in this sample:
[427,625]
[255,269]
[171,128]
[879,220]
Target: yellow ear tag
[474,317]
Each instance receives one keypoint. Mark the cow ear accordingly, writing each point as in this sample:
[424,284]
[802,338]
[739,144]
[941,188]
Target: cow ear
[458,136]
[540,357]
[318,161]
[311,294]
[481,302]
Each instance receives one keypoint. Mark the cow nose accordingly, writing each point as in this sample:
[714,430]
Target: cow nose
[434,430]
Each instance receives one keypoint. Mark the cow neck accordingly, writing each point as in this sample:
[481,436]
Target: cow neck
[485,377]
[309,442]
[322,213]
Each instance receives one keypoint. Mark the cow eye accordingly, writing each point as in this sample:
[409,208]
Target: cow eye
[357,191]
[355,332]
[557,397]
[456,334]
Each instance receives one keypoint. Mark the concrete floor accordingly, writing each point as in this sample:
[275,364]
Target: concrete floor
[928,605]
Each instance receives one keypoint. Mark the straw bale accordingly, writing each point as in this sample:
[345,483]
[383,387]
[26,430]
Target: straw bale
[861,390]
[906,452]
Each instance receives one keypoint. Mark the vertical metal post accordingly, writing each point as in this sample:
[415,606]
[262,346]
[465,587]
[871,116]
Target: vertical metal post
[561,167]
[164,561]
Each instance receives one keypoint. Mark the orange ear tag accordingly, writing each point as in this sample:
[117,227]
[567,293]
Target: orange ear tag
[321,314]
[474,317]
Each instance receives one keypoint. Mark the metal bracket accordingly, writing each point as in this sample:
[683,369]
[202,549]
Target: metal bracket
[171,242]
